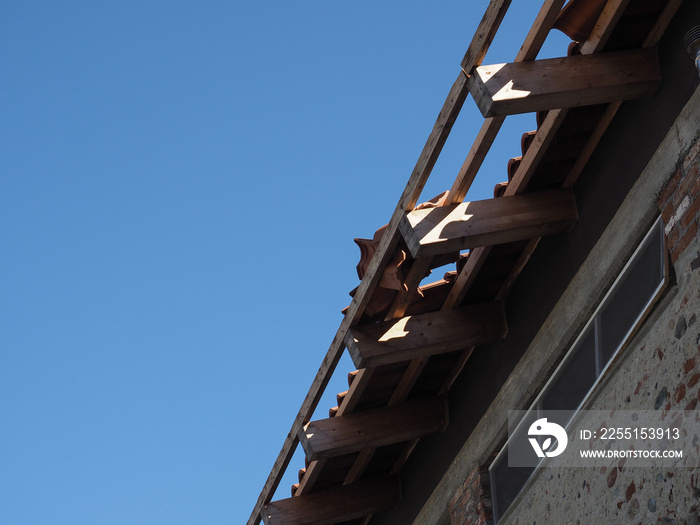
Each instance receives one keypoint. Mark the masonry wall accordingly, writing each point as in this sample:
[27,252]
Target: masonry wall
[659,371]
[668,176]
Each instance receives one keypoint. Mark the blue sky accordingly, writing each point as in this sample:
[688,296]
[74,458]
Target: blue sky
[181,184]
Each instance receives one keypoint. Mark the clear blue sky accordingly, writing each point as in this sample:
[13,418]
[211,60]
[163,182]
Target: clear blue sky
[181,183]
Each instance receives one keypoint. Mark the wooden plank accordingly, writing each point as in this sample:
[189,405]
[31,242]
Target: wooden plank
[422,335]
[489,222]
[351,433]
[400,394]
[537,150]
[409,198]
[540,29]
[490,128]
[485,33]
[347,406]
[662,23]
[335,505]
[411,194]
[581,80]
[415,275]
[604,26]
[359,465]
[475,158]
[385,250]
[466,277]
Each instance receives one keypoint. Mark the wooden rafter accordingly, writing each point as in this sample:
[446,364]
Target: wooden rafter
[408,200]
[351,433]
[411,195]
[538,32]
[580,80]
[419,336]
[489,222]
[362,379]
[491,126]
[335,505]
[545,134]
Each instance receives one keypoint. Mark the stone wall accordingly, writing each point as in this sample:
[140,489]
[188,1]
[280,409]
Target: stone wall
[660,370]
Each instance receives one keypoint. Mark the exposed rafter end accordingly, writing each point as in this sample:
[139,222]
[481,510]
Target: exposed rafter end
[374,428]
[583,80]
[489,222]
[428,334]
[335,505]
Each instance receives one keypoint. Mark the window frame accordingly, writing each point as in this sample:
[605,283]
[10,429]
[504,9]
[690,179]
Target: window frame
[601,368]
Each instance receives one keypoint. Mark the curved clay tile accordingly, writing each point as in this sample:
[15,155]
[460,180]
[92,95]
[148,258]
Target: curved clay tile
[436,201]
[526,140]
[573,49]
[499,189]
[578,18]
[432,297]
[340,396]
[369,246]
[513,165]
[393,277]
[381,300]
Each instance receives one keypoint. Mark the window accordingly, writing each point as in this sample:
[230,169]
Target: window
[618,316]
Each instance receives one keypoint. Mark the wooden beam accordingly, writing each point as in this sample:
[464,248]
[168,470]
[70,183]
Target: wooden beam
[355,391]
[581,80]
[400,394]
[422,335]
[489,222]
[426,161]
[351,433]
[604,26]
[490,128]
[484,34]
[595,43]
[540,29]
[474,56]
[465,278]
[535,153]
[335,505]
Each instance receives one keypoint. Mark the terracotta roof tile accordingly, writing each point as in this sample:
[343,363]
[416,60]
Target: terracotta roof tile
[578,17]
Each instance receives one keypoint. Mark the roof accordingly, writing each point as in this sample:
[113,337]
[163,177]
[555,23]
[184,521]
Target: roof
[411,341]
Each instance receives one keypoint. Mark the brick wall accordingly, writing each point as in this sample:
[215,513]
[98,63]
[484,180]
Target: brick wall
[680,204]
[471,504]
